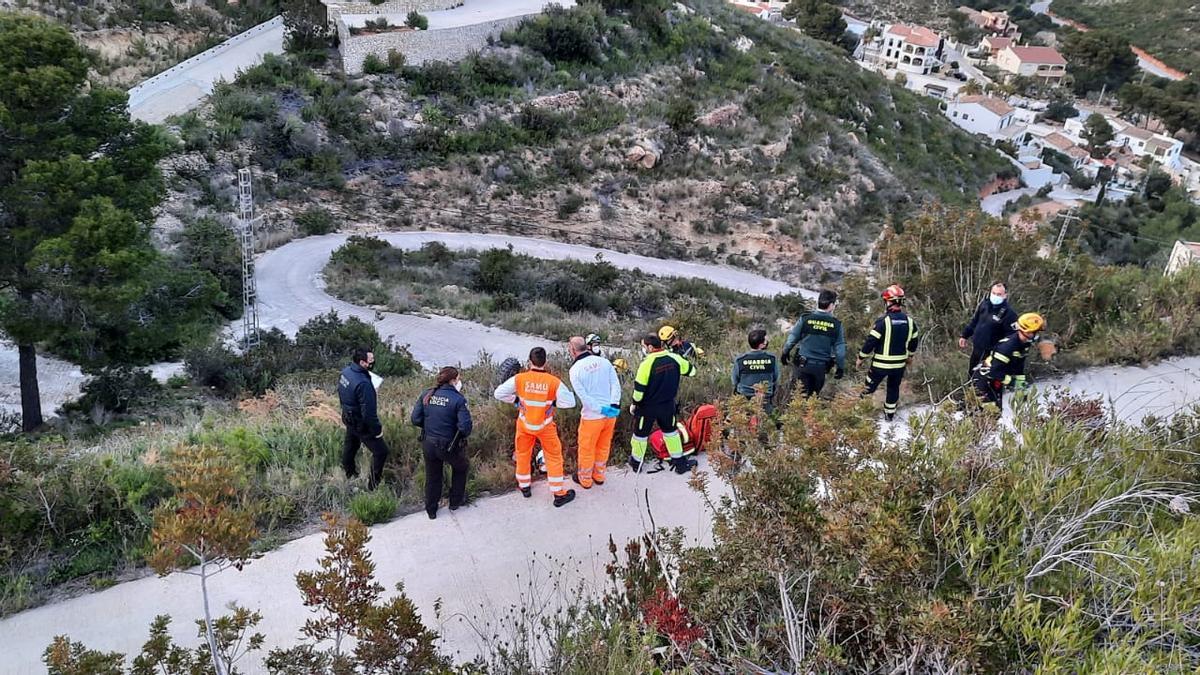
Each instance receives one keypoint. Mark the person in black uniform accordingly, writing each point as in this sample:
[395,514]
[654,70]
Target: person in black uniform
[445,422]
[756,368]
[889,348]
[820,344]
[991,323]
[356,393]
[1005,366]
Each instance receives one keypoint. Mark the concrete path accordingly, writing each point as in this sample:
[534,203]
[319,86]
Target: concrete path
[291,291]
[184,85]
[479,561]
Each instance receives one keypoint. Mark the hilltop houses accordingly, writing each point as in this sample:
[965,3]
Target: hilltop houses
[1044,63]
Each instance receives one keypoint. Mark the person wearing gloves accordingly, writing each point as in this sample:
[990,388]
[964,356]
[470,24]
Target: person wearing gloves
[445,422]
[599,392]
[820,344]
[537,393]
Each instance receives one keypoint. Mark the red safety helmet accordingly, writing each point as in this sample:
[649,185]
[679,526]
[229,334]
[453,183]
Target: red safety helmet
[893,293]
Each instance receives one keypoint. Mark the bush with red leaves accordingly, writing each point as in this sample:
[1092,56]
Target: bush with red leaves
[668,617]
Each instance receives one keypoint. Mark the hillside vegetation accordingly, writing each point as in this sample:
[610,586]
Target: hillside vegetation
[1169,29]
[131,40]
[677,132]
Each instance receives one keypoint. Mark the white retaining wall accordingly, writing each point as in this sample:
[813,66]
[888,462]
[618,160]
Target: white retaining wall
[419,46]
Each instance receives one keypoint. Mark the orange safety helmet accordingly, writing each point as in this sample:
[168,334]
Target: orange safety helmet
[893,293]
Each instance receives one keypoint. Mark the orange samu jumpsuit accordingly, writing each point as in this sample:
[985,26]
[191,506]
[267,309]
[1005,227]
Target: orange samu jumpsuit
[537,394]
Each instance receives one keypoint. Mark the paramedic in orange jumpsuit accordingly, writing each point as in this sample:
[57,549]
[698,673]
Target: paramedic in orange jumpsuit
[537,393]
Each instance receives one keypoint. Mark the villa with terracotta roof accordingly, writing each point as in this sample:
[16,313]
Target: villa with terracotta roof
[909,49]
[992,23]
[1041,62]
[994,43]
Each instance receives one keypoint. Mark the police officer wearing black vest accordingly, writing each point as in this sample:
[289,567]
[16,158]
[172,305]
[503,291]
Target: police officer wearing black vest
[821,344]
[756,371]
[360,414]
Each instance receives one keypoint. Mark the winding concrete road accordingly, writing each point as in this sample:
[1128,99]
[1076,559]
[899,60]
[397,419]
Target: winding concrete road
[291,291]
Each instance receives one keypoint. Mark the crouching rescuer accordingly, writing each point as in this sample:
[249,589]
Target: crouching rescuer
[537,393]
[655,388]
[1005,366]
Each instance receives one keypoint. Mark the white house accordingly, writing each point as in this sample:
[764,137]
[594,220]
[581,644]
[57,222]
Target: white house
[1161,149]
[981,114]
[909,49]
[1041,62]
[1185,254]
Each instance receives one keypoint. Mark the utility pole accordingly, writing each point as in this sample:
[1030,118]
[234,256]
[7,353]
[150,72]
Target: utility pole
[1062,232]
[246,238]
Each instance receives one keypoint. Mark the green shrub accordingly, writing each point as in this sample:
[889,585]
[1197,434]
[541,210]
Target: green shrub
[416,21]
[681,115]
[116,390]
[315,220]
[373,65]
[571,35]
[376,506]
[495,273]
[570,204]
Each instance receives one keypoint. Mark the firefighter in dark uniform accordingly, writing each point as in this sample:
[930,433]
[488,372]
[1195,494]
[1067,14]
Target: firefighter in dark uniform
[820,344]
[445,421]
[1005,366]
[356,393]
[991,323]
[756,372]
[889,348]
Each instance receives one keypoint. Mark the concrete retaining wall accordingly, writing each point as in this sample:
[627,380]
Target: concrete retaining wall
[447,44]
[390,7]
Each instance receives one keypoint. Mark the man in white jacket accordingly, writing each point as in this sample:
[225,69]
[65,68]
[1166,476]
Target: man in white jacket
[595,382]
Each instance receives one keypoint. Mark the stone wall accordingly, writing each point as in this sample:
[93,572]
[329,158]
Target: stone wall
[447,44]
[389,7]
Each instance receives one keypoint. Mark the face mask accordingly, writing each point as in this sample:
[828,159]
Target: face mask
[596,349]
[644,350]
[996,299]
[458,385]
[371,365]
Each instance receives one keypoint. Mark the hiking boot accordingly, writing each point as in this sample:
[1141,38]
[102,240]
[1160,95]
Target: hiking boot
[527,491]
[455,507]
[635,465]
[891,417]
[575,477]
[564,499]
[432,514]
[682,465]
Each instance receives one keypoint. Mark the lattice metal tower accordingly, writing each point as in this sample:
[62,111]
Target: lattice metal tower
[246,235]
